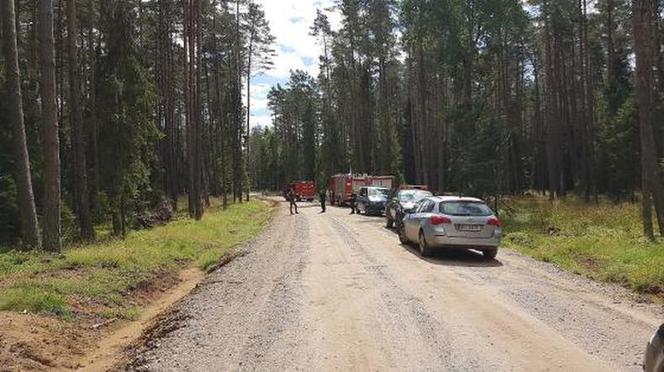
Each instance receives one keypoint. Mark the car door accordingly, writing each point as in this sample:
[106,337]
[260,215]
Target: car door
[412,221]
[424,216]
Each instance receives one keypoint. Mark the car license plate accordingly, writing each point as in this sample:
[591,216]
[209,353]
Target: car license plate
[470,228]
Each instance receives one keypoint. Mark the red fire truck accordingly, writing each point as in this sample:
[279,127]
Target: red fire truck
[304,190]
[342,186]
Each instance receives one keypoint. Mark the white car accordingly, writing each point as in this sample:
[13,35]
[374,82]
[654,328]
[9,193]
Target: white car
[452,223]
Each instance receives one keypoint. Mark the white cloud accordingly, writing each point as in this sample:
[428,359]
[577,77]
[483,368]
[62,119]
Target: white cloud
[261,120]
[290,22]
[260,89]
[258,104]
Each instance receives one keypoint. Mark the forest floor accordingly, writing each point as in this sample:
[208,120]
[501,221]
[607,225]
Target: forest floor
[82,307]
[603,241]
[336,291]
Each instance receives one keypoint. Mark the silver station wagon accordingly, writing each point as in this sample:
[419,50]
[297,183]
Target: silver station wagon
[452,223]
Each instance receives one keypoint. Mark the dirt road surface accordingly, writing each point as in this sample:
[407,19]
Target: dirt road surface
[338,292]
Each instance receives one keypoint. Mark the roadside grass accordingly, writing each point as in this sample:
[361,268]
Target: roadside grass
[603,241]
[98,279]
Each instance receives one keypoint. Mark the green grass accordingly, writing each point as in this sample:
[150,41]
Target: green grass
[35,300]
[130,313]
[603,241]
[99,277]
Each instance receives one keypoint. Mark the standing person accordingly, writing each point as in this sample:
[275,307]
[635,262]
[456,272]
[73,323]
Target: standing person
[291,199]
[323,199]
[353,199]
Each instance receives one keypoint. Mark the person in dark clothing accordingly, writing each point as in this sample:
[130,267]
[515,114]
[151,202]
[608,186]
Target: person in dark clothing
[291,200]
[353,199]
[323,199]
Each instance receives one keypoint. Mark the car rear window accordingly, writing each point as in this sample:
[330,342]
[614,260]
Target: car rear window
[413,195]
[378,192]
[465,208]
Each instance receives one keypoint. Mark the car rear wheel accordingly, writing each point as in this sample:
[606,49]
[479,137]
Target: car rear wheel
[490,253]
[425,250]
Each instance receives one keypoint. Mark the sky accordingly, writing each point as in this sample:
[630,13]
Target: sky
[290,22]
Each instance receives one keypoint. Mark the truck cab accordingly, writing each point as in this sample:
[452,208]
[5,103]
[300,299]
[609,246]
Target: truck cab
[304,190]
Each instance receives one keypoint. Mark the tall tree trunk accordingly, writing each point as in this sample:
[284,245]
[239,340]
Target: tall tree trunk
[589,124]
[539,142]
[26,198]
[611,55]
[93,125]
[249,53]
[240,166]
[198,140]
[644,12]
[553,119]
[51,240]
[188,91]
[219,138]
[192,59]
[166,87]
[78,132]
[421,116]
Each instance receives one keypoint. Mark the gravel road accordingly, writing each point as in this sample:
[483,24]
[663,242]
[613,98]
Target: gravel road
[338,292]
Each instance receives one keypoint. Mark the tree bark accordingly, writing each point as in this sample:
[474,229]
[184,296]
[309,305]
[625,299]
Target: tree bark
[250,51]
[93,125]
[198,109]
[78,132]
[51,239]
[552,91]
[192,61]
[611,55]
[643,23]
[589,124]
[26,199]
[167,91]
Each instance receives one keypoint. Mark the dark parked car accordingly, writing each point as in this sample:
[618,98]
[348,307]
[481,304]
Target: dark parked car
[401,201]
[371,200]
[654,361]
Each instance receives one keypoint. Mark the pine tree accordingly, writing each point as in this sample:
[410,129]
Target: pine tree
[26,200]
[78,131]
[259,54]
[51,226]
[644,13]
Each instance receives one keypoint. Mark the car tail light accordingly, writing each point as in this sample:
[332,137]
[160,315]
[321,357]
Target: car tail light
[440,220]
[493,221]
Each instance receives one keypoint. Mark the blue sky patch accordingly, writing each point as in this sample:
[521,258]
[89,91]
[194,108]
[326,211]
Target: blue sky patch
[308,61]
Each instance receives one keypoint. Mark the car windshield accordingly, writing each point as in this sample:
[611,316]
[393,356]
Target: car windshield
[465,208]
[378,192]
[413,195]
